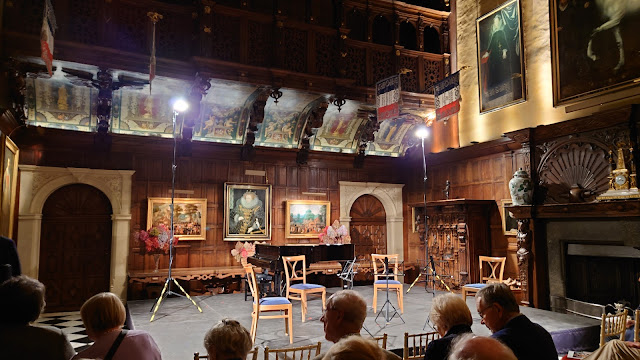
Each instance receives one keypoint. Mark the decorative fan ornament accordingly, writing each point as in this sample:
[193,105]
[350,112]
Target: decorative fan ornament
[574,172]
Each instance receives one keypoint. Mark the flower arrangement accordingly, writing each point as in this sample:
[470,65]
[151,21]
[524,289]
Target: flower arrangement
[335,234]
[155,240]
[242,251]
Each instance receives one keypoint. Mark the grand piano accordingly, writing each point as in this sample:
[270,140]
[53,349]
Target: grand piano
[270,256]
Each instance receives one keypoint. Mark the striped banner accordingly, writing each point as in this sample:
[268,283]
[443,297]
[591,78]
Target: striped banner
[388,98]
[447,97]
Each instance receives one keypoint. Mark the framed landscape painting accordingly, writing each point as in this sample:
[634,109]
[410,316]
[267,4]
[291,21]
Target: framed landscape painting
[594,48]
[500,60]
[189,216]
[247,212]
[306,218]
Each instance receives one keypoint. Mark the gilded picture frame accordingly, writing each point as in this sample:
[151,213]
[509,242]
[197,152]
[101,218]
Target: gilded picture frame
[306,218]
[587,59]
[509,223]
[9,172]
[189,218]
[501,74]
[247,212]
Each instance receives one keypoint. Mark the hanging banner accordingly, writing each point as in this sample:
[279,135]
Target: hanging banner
[447,97]
[388,98]
[46,36]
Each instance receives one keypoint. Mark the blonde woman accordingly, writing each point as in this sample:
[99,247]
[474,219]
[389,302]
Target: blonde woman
[103,316]
[451,317]
[228,340]
[355,347]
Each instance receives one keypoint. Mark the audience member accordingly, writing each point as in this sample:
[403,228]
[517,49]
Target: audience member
[344,316]
[618,350]
[227,340]
[451,317]
[355,347]
[21,302]
[499,311]
[103,316]
[9,261]
[469,347]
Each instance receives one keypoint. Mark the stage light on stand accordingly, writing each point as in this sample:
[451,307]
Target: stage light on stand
[422,133]
[180,105]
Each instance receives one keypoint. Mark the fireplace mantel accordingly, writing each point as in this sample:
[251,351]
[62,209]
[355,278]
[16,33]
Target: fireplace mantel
[602,209]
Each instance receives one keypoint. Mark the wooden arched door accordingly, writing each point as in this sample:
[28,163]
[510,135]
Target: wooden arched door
[75,246]
[368,227]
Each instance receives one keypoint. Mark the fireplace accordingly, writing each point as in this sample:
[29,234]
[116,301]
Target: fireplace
[593,261]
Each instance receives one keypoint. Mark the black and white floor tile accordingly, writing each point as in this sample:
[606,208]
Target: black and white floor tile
[71,325]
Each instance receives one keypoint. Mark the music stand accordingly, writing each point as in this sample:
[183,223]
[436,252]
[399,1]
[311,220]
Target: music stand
[348,274]
[387,306]
[178,106]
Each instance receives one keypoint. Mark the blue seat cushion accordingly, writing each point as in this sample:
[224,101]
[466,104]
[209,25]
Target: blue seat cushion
[274,301]
[306,286]
[384,282]
[477,286]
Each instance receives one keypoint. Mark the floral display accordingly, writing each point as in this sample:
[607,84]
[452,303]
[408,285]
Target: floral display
[335,234]
[155,240]
[242,251]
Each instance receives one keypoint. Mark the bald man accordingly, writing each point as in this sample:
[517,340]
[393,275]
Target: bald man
[470,347]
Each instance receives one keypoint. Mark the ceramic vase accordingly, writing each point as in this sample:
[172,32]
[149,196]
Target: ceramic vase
[520,188]
[156,261]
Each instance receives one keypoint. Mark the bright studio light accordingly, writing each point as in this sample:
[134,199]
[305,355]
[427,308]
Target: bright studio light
[180,105]
[422,132]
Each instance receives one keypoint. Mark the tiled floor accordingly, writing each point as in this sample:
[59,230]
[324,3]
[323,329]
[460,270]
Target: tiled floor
[71,325]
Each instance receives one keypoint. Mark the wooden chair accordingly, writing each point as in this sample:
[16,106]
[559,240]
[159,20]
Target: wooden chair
[291,263]
[252,355]
[298,353]
[636,329]
[381,340]
[268,304]
[613,325]
[379,270]
[415,345]
[494,270]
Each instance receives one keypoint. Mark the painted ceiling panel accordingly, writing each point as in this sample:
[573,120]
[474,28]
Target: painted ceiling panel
[283,121]
[394,136]
[142,114]
[60,104]
[339,129]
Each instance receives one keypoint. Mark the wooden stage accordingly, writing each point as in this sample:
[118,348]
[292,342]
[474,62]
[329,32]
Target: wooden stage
[179,328]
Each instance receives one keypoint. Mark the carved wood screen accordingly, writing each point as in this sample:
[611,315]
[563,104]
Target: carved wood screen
[75,247]
[458,232]
[368,227]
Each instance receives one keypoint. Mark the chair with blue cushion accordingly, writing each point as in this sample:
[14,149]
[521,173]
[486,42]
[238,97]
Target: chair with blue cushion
[268,304]
[493,271]
[383,278]
[293,267]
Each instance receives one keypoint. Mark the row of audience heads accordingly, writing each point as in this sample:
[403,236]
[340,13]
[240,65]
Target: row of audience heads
[23,299]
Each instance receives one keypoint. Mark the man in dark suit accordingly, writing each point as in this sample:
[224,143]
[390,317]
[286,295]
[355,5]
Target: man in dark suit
[8,256]
[499,311]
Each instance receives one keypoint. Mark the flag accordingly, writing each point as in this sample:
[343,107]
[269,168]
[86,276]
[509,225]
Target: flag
[46,35]
[447,97]
[152,61]
[388,98]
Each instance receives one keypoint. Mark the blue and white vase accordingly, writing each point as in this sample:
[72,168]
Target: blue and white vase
[520,188]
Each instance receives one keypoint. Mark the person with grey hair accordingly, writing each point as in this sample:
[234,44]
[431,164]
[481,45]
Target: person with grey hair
[470,347]
[21,302]
[344,315]
[499,311]
[451,317]
[227,340]
[355,347]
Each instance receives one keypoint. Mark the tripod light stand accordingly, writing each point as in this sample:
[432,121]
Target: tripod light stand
[178,107]
[387,306]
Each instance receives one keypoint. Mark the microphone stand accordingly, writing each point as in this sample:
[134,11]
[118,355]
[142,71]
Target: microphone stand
[387,304]
[166,290]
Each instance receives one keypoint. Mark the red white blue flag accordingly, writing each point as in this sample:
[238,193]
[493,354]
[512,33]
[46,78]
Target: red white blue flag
[46,36]
[388,98]
[447,97]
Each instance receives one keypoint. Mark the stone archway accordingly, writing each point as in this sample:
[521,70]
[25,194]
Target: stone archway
[38,182]
[390,195]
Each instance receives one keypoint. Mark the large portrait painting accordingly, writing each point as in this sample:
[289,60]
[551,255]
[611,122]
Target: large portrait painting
[595,47]
[500,59]
[189,216]
[306,218]
[9,181]
[247,212]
